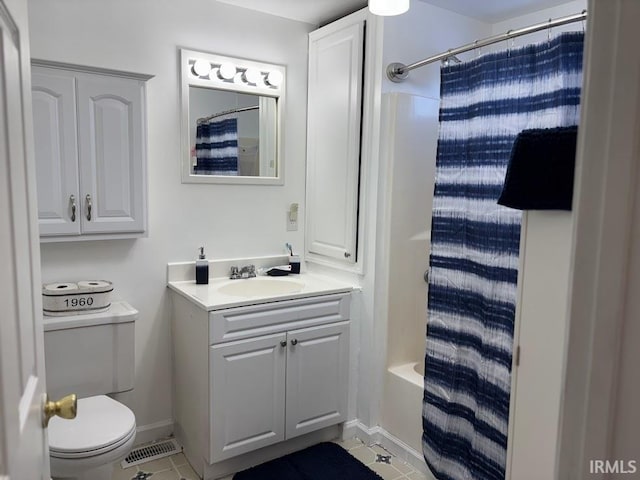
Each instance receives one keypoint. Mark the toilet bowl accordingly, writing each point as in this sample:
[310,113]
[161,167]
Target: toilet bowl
[102,433]
[91,355]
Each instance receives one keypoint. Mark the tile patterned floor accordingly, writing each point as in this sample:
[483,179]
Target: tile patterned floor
[176,466]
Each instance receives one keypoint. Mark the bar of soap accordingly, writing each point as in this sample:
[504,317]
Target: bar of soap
[276,272]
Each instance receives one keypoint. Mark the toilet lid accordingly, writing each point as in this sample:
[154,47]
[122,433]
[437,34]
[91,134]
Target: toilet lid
[100,422]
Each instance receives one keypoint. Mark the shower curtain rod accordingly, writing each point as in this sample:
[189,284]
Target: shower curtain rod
[227,112]
[397,72]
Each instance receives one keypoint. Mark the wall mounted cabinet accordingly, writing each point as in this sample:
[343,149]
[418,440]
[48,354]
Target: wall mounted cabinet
[336,65]
[90,149]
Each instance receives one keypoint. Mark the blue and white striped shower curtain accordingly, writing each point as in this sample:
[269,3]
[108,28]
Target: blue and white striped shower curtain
[217,147]
[473,266]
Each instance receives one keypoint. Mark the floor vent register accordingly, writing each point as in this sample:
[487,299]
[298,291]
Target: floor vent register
[154,451]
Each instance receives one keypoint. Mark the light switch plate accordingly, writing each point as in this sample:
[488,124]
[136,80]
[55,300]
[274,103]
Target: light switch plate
[292,218]
[292,225]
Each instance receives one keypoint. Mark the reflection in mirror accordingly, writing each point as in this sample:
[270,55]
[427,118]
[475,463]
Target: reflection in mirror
[232,112]
[232,133]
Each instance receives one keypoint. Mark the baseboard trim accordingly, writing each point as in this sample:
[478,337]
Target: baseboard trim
[153,431]
[378,435]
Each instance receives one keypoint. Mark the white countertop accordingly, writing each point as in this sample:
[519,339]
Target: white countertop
[209,297]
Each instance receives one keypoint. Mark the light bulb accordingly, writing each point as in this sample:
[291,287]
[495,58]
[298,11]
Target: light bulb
[201,68]
[275,78]
[387,8]
[252,75]
[238,78]
[227,71]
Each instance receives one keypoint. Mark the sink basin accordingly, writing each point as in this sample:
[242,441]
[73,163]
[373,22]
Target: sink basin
[260,287]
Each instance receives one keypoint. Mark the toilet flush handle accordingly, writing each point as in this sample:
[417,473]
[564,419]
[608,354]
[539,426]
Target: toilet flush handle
[66,407]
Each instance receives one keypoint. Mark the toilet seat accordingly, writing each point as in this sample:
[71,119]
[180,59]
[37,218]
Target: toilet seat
[101,425]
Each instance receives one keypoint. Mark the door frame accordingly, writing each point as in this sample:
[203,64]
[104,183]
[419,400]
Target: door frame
[606,179]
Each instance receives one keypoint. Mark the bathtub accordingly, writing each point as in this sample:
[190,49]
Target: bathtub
[406,383]
[410,372]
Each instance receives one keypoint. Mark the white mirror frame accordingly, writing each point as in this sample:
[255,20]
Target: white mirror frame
[188,79]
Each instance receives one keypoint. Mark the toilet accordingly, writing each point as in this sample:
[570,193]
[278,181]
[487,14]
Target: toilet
[91,355]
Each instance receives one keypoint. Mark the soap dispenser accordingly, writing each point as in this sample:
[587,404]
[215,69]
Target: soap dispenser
[202,269]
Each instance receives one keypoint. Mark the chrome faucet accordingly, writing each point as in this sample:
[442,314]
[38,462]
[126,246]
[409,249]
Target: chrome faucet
[248,271]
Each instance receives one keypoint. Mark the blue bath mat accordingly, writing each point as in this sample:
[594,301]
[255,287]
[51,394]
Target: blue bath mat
[325,461]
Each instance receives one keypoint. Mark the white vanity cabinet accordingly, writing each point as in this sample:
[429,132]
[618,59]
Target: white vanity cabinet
[253,380]
[90,150]
[252,376]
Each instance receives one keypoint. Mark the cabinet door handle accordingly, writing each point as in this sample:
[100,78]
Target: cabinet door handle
[283,343]
[72,199]
[89,207]
[294,341]
[347,254]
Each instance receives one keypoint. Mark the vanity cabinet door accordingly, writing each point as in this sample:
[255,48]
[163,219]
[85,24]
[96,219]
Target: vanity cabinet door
[317,377]
[247,395]
[112,168]
[56,152]
[333,139]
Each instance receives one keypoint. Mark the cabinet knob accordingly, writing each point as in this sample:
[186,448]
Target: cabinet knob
[294,341]
[72,199]
[283,343]
[347,254]
[89,206]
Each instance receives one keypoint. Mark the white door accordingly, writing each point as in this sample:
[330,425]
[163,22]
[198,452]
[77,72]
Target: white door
[111,144]
[247,394]
[317,377]
[23,442]
[56,151]
[333,139]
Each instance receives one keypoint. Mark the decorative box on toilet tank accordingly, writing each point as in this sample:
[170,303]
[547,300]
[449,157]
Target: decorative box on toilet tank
[69,298]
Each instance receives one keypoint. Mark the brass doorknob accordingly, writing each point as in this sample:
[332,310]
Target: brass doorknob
[66,407]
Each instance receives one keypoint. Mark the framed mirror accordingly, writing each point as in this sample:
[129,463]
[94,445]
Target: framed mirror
[231,120]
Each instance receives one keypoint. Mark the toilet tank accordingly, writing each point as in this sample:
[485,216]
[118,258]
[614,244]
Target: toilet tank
[91,354]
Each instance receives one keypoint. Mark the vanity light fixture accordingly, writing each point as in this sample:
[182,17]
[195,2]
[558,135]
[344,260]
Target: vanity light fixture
[252,75]
[201,68]
[224,72]
[387,8]
[274,79]
[227,71]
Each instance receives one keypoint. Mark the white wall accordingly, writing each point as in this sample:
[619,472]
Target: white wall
[424,31]
[230,221]
[569,8]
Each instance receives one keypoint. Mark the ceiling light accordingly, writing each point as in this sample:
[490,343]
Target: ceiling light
[201,68]
[227,71]
[387,8]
